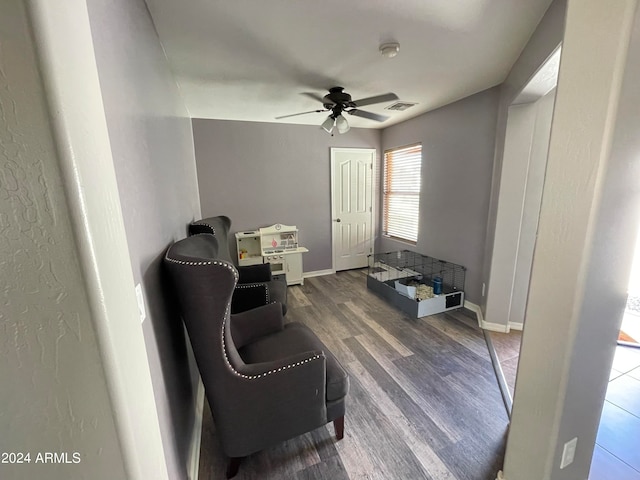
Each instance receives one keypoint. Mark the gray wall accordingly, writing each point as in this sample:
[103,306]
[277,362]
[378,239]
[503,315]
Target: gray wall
[259,174]
[586,236]
[457,150]
[54,395]
[152,147]
[545,39]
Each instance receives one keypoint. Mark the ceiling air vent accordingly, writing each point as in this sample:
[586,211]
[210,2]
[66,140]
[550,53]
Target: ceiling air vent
[400,106]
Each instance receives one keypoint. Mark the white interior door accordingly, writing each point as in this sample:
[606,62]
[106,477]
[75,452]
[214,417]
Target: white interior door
[352,206]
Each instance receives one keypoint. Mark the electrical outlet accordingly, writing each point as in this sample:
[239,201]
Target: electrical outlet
[140,299]
[569,452]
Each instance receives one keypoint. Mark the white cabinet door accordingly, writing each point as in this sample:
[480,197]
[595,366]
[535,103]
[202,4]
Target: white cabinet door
[294,269]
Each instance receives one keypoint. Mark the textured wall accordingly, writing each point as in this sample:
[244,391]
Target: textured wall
[53,395]
[259,174]
[457,152]
[152,146]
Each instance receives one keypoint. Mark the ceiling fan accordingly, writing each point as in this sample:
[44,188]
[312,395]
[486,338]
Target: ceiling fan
[337,102]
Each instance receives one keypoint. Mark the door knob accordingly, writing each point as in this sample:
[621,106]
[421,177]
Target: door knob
[338,220]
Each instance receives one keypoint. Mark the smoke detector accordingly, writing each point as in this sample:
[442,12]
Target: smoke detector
[389,50]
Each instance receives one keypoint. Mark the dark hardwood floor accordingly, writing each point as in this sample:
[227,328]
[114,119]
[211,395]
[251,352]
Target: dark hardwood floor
[424,402]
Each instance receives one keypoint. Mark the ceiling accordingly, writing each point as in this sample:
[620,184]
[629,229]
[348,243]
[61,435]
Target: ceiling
[254,60]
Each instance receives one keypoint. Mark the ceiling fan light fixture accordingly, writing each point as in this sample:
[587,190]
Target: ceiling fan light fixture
[328,124]
[341,124]
[389,50]
[337,102]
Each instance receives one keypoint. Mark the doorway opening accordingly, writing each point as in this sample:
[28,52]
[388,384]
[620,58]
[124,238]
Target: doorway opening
[630,328]
[521,184]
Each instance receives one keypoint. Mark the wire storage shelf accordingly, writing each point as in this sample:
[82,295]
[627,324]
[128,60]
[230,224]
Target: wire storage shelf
[417,284]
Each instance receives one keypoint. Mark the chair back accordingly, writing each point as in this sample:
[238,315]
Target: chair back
[218,227]
[204,285]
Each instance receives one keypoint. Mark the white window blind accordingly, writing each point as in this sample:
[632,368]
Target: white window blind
[401,196]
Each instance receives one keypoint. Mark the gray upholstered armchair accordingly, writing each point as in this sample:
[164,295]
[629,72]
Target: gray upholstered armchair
[265,381]
[256,286]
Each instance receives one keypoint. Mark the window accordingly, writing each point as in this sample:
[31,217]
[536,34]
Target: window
[401,196]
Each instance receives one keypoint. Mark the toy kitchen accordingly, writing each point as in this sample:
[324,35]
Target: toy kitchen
[276,245]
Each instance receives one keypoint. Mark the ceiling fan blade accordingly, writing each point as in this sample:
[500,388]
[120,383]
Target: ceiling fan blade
[315,96]
[369,115]
[387,97]
[301,113]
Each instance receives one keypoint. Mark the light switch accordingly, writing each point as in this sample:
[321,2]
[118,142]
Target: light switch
[569,452]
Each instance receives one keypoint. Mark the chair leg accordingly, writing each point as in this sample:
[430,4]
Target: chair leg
[234,464]
[338,425]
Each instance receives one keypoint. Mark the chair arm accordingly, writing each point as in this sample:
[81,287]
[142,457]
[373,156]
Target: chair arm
[282,365]
[247,296]
[272,402]
[258,322]
[254,273]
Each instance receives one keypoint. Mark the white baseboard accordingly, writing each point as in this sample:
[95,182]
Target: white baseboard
[475,309]
[516,326]
[494,327]
[196,436]
[318,273]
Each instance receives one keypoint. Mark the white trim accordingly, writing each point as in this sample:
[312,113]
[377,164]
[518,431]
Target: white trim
[494,327]
[373,212]
[67,62]
[516,326]
[193,467]
[318,273]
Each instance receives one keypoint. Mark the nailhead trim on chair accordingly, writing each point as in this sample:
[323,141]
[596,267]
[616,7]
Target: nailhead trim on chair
[270,372]
[253,285]
[213,262]
[226,314]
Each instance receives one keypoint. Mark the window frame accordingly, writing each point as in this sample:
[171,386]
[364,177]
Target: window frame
[388,194]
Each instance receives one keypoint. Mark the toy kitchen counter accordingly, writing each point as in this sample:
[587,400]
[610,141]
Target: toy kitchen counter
[276,245]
